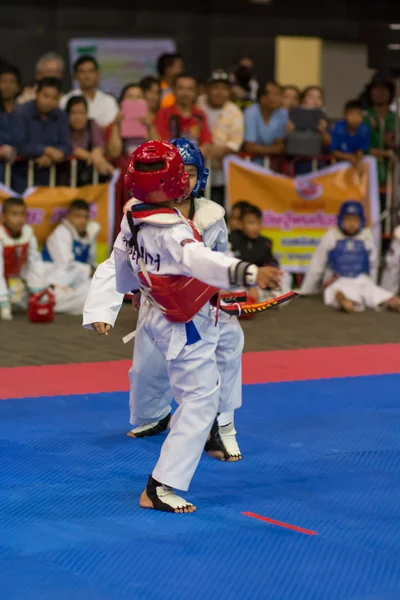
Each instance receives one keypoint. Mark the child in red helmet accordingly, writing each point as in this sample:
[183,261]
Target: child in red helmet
[178,276]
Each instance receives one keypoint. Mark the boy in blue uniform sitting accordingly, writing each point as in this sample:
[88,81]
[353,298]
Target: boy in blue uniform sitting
[346,262]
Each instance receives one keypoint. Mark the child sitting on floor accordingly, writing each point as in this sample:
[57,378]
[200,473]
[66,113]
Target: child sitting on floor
[346,260]
[21,266]
[71,247]
[248,244]
[235,218]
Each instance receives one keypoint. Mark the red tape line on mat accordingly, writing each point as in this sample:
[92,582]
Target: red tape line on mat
[280,523]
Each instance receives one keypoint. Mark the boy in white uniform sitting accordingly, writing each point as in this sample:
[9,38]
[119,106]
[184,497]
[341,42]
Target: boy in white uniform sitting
[21,266]
[71,247]
[346,260]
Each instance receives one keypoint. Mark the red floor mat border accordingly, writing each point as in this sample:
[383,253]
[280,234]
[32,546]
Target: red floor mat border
[258,367]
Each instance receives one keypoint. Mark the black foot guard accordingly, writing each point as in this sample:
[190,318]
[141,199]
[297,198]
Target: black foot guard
[150,428]
[164,498]
[214,443]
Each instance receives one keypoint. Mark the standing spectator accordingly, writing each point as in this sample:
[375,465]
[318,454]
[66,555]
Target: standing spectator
[43,130]
[183,119]
[245,85]
[169,66]
[87,141]
[351,137]
[382,122]
[103,108]
[151,92]
[225,120]
[50,64]
[290,96]
[312,97]
[10,86]
[265,123]
[117,145]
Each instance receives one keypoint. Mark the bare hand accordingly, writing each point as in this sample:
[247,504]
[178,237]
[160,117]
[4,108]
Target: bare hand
[103,166]
[7,152]
[322,126]
[136,301]
[101,328]
[54,154]
[44,161]
[147,120]
[290,127]
[120,117]
[269,277]
[206,150]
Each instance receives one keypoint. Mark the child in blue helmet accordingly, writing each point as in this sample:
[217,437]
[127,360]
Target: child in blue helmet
[346,262]
[150,396]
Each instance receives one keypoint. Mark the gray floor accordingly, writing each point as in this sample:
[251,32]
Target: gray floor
[305,323]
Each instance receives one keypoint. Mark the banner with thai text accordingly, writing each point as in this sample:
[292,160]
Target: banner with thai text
[47,206]
[296,212]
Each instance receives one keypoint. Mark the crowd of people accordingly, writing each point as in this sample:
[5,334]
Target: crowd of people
[232,112]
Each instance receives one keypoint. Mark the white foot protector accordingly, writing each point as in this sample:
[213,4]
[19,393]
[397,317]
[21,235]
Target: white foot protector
[228,437]
[164,498]
[5,313]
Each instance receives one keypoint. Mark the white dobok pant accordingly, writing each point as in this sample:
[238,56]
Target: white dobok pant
[204,378]
[150,395]
[361,290]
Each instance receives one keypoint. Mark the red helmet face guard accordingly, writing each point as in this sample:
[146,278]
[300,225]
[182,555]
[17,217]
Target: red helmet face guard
[166,181]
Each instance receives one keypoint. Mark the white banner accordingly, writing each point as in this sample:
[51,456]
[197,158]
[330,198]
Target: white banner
[121,61]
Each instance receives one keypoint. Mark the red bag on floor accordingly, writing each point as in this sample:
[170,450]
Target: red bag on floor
[41,307]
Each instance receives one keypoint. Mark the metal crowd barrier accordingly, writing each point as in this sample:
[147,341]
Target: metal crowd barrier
[30,182]
[287,167]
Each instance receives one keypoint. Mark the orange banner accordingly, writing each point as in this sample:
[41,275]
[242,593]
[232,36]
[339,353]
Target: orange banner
[47,206]
[297,212]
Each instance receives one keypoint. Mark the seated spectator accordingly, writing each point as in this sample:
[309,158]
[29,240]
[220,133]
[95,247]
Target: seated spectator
[235,217]
[346,263]
[245,85]
[124,146]
[43,131]
[87,141]
[103,108]
[249,245]
[290,96]
[169,66]
[183,119]
[225,120]
[151,93]
[48,65]
[382,123]
[21,266]
[351,137]
[10,87]
[265,123]
[72,245]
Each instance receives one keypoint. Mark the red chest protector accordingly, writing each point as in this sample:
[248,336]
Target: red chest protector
[179,297]
[14,258]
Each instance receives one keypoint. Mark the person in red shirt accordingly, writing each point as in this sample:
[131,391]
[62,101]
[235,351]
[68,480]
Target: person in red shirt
[184,119]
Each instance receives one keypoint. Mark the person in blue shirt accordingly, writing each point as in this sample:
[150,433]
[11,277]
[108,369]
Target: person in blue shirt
[265,123]
[351,137]
[43,130]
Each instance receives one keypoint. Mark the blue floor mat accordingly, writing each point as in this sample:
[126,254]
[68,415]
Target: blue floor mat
[321,455]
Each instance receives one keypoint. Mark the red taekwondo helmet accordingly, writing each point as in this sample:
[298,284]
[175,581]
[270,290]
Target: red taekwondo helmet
[156,173]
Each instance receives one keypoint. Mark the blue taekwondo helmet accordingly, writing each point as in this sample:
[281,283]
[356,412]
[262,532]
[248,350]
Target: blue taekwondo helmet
[192,155]
[352,207]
